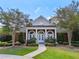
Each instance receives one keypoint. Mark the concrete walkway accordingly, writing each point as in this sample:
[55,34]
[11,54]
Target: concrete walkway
[40,49]
[5,56]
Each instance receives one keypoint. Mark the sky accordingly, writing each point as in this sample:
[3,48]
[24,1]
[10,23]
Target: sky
[35,8]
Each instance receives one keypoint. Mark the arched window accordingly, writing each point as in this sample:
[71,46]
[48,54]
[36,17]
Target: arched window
[50,34]
[31,34]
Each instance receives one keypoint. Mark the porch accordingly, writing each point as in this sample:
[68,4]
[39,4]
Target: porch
[40,33]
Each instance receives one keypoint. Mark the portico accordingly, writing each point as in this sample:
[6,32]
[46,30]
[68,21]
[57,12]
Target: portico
[41,30]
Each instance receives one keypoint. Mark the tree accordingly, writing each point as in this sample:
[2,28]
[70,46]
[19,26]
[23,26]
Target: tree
[6,30]
[69,18]
[14,19]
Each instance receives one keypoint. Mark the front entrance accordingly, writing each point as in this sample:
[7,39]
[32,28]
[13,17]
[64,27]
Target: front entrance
[41,37]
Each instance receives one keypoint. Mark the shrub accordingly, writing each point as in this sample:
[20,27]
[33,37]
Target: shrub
[32,40]
[75,43]
[33,44]
[21,38]
[75,35]
[75,38]
[65,43]
[62,38]
[50,41]
[49,44]
[5,38]
[5,44]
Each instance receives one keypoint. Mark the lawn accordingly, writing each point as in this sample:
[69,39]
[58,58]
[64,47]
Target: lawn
[58,53]
[17,51]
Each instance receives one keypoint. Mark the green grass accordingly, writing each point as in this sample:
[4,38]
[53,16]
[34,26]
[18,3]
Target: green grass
[17,51]
[58,53]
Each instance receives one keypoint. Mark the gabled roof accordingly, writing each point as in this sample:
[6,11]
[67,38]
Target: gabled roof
[41,21]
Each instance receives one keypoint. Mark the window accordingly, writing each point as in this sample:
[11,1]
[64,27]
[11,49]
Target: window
[50,34]
[31,34]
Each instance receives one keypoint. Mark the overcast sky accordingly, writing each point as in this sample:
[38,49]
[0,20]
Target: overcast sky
[35,8]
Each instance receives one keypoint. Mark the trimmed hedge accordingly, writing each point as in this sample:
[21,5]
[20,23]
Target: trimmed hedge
[5,38]
[5,44]
[75,43]
[62,38]
[75,38]
[32,42]
[21,38]
[50,41]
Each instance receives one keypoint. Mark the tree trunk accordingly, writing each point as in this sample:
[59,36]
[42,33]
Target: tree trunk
[13,38]
[69,37]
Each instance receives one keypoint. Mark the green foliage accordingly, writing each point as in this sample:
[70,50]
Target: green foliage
[5,38]
[62,38]
[75,38]
[5,44]
[50,41]
[32,40]
[75,43]
[13,16]
[0,30]
[6,30]
[14,19]
[21,38]
[68,16]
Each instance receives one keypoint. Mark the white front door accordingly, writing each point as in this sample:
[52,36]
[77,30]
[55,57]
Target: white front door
[40,38]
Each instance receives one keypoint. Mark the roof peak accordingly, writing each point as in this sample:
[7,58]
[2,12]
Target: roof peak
[41,21]
[41,17]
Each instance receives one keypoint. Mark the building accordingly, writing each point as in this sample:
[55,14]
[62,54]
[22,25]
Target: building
[41,29]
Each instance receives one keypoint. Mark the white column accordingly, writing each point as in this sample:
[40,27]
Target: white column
[26,36]
[36,33]
[56,36]
[36,37]
[45,33]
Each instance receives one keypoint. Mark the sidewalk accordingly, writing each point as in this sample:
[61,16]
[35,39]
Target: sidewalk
[40,49]
[5,56]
